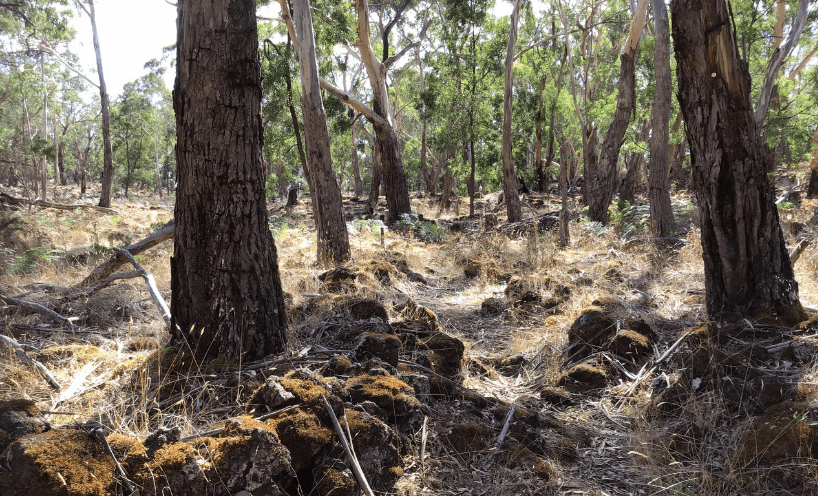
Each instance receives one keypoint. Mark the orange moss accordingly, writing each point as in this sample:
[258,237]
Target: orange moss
[306,391]
[781,433]
[301,430]
[24,405]
[74,457]
[172,456]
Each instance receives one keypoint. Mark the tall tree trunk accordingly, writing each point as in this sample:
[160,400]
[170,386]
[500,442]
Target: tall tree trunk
[392,173]
[356,166]
[107,152]
[565,236]
[747,270]
[333,242]
[158,188]
[542,176]
[375,185]
[627,190]
[603,183]
[661,210]
[513,208]
[226,290]
[812,187]
[44,167]
[472,182]
[58,174]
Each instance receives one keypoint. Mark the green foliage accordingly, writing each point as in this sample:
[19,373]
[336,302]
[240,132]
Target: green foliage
[786,206]
[28,260]
[424,230]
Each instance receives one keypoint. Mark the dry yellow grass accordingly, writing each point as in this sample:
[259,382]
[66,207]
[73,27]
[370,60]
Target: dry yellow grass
[662,285]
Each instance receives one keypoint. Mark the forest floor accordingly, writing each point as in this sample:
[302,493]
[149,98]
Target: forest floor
[688,408]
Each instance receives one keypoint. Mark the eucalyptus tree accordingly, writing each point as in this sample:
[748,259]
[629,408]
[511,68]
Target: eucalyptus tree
[747,269]
[661,212]
[603,182]
[226,289]
[108,169]
[333,241]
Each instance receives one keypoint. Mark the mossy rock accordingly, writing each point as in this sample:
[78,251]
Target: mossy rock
[557,396]
[381,346]
[630,344]
[64,462]
[304,435]
[377,447]
[295,387]
[416,316]
[592,327]
[509,365]
[469,437]
[366,308]
[391,394]
[584,377]
[517,286]
[782,433]
[332,480]
[446,354]
[337,365]
[338,279]
[492,306]
[249,457]
[18,418]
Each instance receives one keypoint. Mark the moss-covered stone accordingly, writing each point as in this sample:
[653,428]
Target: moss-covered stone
[18,418]
[381,346]
[64,462]
[391,394]
[782,433]
[469,437]
[584,377]
[303,434]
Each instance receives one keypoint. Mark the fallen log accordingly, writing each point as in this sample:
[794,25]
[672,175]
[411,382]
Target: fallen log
[6,198]
[117,260]
[544,222]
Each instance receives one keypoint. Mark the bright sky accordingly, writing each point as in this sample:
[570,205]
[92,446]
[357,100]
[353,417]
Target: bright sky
[131,32]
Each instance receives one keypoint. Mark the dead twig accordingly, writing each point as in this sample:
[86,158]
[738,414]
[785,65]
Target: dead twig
[356,467]
[23,357]
[99,433]
[37,308]
[500,439]
[261,418]
[112,264]
[152,289]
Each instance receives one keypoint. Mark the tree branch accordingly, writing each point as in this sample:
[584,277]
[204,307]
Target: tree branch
[777,60]
[394,58]
[353,102]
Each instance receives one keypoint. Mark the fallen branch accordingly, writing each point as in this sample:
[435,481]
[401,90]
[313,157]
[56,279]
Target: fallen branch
[543,222]
[500,439]
[216,432]
[20,351]
[37,308]
[151,282]
[356,467]
[104,284]
[6,198]
[112,264]
[99,433]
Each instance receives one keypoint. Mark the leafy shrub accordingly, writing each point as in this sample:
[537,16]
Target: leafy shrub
[27,261]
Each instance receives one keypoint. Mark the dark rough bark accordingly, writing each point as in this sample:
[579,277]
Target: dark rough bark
[602,184]
[748,273]
[333,242]
[565,236]
[356,165]
[627,190]
[226,290]
[392,174]
[542,176]
[812,187]
[661,210]
[375,185]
